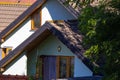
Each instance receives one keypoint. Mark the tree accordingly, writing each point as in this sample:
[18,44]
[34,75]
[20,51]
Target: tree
[100,24]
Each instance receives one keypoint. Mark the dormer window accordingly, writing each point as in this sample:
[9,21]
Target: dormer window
[36,20]
[5,51]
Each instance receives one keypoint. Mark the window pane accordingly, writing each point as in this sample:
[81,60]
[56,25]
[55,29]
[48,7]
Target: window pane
[63,67]
[37,19]
[71,67]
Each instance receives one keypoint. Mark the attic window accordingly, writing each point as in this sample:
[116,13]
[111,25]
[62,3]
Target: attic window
[5,51]
[36,20]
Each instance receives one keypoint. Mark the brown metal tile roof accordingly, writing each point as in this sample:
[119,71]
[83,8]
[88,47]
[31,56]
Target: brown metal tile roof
[9,12]
[68,34]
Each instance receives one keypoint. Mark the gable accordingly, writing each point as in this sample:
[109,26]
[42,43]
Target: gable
[49,47]
[53,10]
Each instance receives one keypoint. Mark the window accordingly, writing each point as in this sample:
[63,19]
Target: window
[65,67]
[54,67]
[5,51]
[36,19]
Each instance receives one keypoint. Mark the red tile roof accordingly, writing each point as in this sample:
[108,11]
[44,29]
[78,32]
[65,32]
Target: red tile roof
[9,12]
[19,1]
[13,77]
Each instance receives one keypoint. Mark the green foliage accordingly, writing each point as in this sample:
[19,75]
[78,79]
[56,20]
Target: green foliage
[31,78]
[100,25]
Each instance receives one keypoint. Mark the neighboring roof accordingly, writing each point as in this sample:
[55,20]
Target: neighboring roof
[65,31]
[18,1]
[9,12]
[28,12]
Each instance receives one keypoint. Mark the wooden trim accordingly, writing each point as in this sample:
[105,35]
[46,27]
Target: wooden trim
[2,40]
[57,66]
[55,21]
[40,16]
[68,66]
[15,3]
[32,23]
[39,11]
[5,51]
[2,69]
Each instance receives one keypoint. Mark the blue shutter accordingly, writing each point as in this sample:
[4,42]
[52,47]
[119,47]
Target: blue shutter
[49,68]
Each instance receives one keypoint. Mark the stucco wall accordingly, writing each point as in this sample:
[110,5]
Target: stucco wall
[18,67]
[49,47]
[19,35]
[53,10]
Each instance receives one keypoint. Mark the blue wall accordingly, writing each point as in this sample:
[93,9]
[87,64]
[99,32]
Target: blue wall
[53,10]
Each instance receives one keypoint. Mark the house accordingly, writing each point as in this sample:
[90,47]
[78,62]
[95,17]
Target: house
[44,42]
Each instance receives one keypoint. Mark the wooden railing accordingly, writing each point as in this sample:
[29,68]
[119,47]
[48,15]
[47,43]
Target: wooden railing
[13,77]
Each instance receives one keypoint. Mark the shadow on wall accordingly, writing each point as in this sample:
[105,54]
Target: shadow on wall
[58,12]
